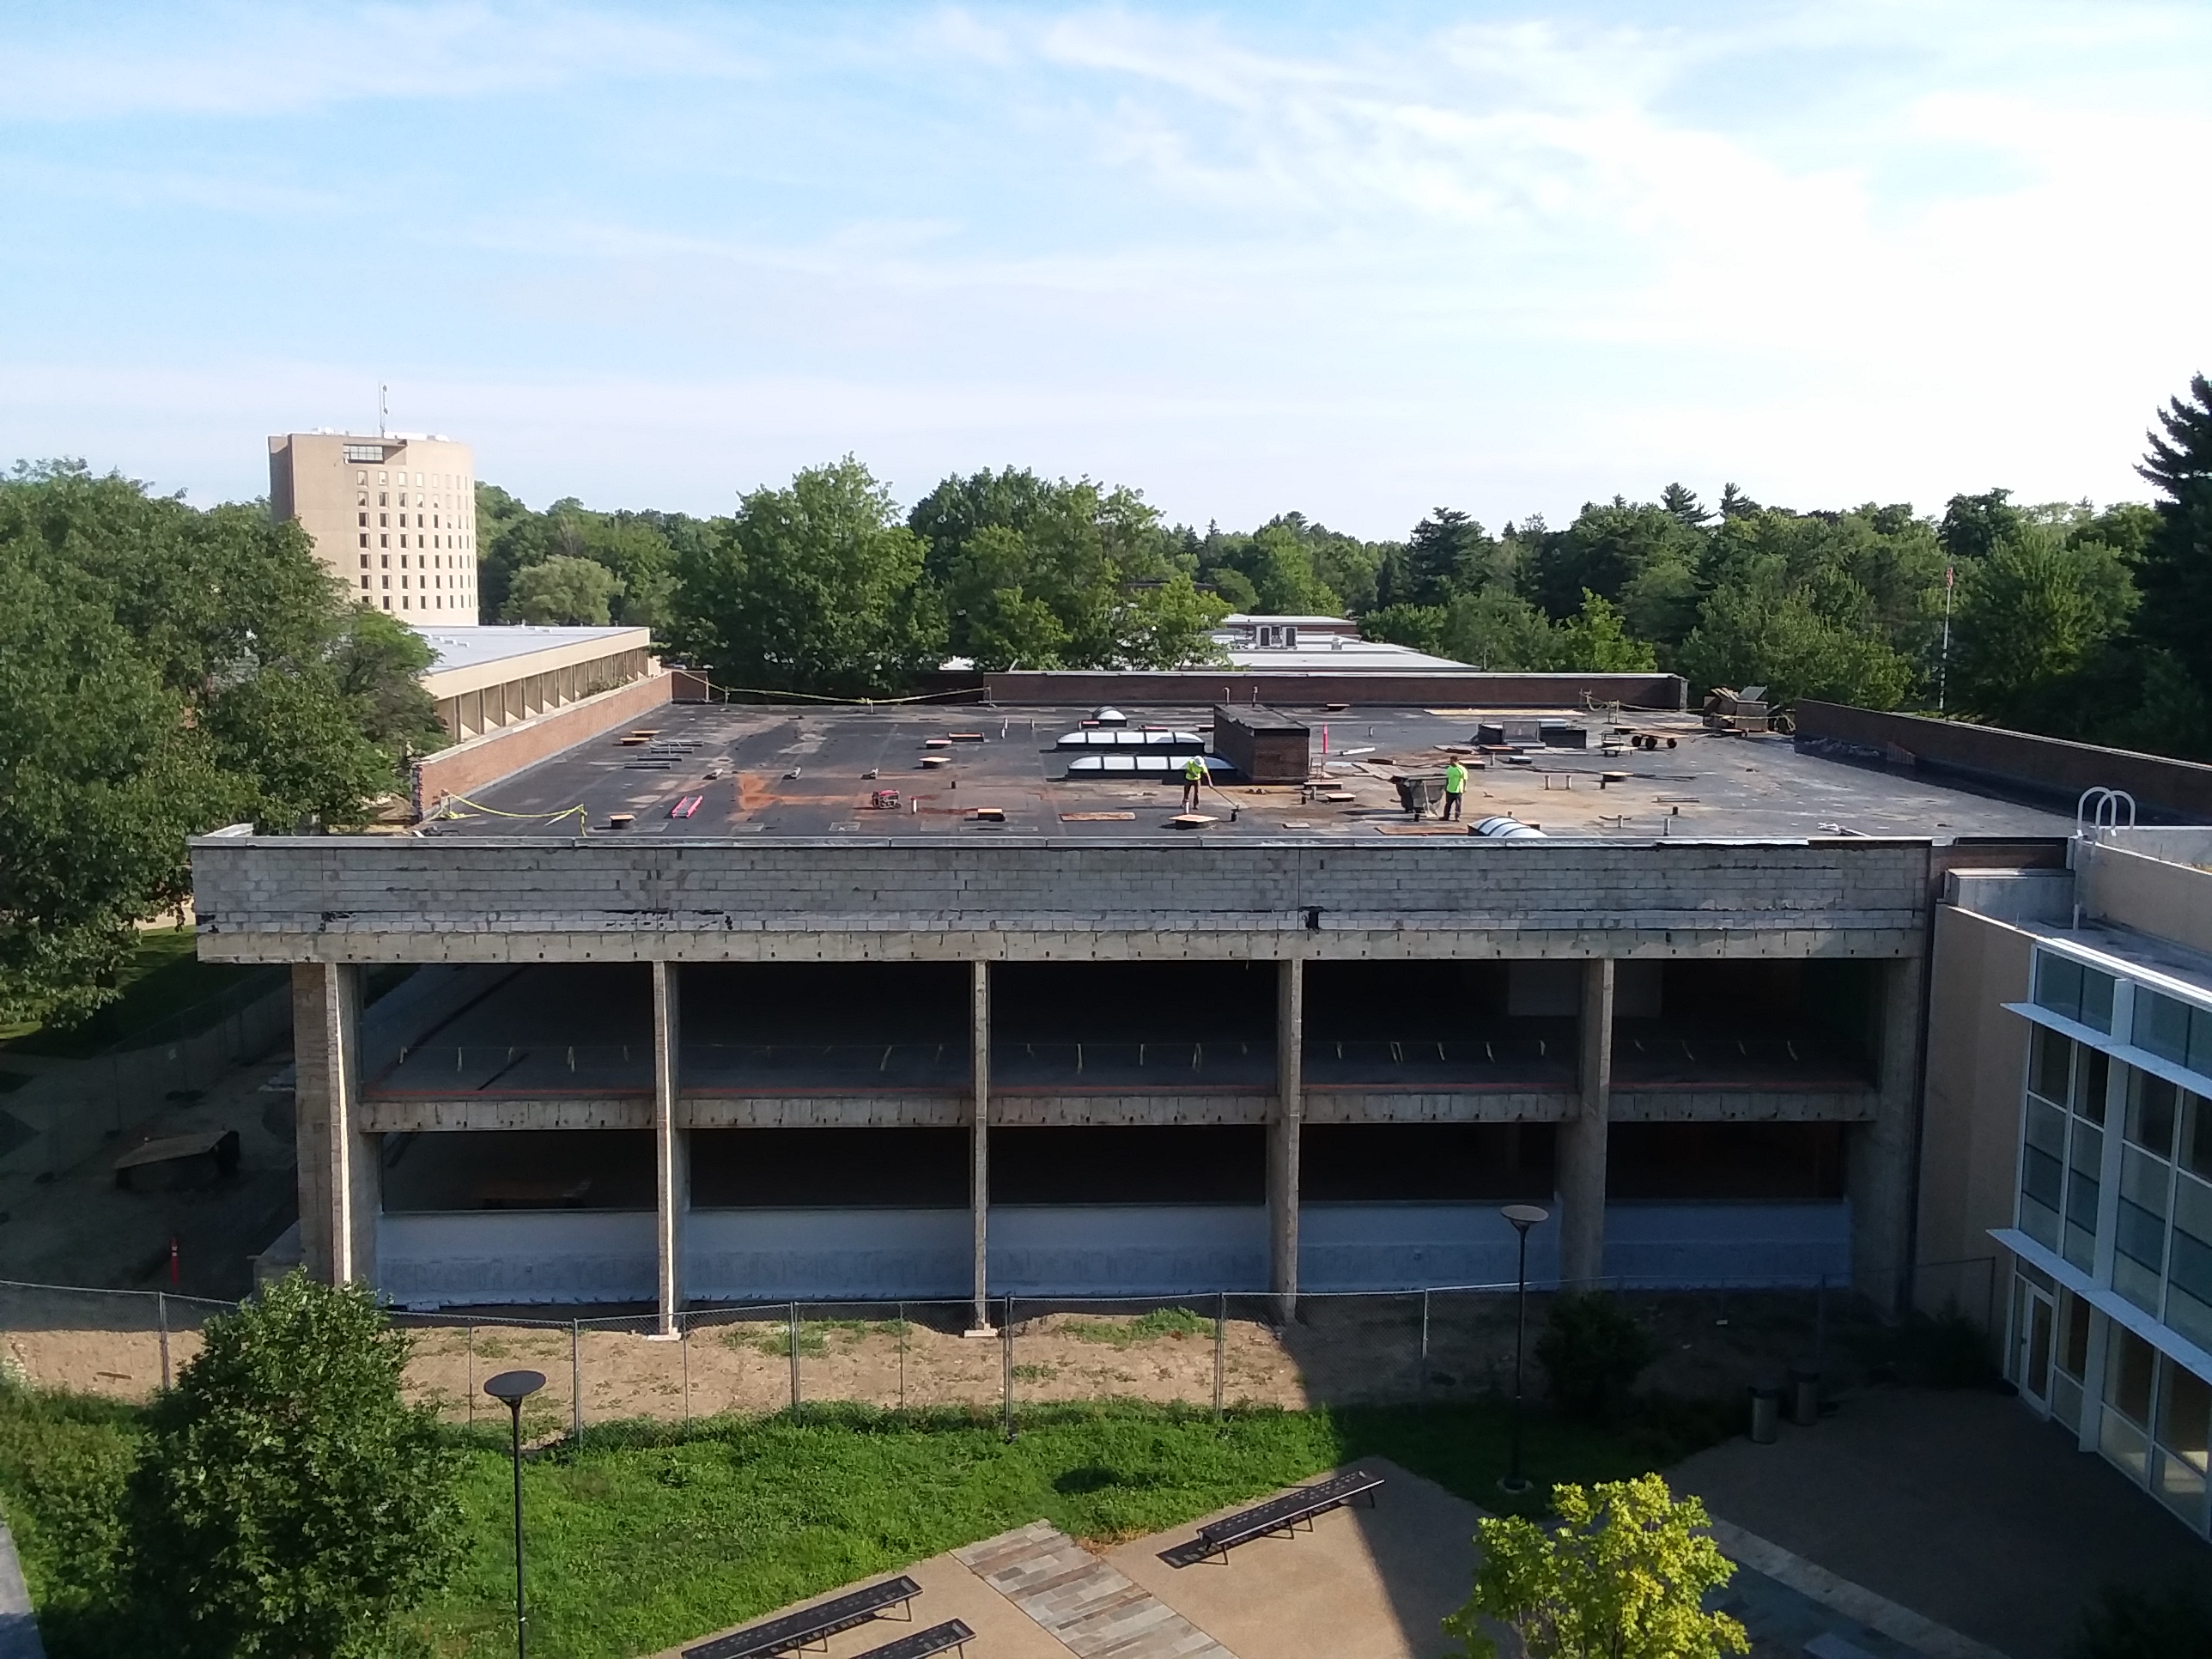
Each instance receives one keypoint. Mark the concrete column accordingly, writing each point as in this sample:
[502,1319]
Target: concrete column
[670,1150]
[1284,1132]
[1581,1155]
[339,1167]
[1878,1156]
[979,1141]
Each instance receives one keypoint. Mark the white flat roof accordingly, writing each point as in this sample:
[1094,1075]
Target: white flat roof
[475,648]
[1353,657]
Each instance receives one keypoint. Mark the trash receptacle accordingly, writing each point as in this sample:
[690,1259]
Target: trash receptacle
[1804,1395]
[1766,1413]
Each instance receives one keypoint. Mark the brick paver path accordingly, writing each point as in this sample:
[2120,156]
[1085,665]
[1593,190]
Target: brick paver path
[1094,1611]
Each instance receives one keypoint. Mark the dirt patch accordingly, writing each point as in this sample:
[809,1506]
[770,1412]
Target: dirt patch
[1341,1350]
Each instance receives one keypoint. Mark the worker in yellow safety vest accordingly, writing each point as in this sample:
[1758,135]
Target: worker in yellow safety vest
[1455,787]
[1194,774]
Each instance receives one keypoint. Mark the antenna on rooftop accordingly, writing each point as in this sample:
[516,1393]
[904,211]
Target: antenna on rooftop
[383,410]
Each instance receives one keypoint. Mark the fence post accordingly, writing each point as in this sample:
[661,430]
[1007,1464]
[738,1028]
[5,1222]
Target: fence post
[902,1342]
[576,1381]
[683,1342]
[161,1314]
[1425,1338]
[794,1355]
[1220,1342]
[472,1328]
[1007,1369]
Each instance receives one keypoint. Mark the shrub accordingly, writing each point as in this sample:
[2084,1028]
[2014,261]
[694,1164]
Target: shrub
[2124,1623]
[290,1501]
[1593,1350]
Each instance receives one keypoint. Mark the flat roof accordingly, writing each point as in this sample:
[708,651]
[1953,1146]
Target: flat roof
[477,648]
[1345,656]
[786,771]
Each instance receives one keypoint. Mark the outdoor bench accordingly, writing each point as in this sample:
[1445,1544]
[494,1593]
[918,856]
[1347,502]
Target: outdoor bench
[1285,1515]
[812,1625]
[937,1639]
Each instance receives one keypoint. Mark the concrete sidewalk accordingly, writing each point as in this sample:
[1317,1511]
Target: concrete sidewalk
[1957,1505]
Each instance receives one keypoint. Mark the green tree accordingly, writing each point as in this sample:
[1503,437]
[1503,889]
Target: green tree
[817,587]
[2176,570]
[2032,609]
[1593,640]
[1419,627]
[165,672]
[380,662]
[1053,575]
[1604,550]
[566,590]
[1496,629]
[1624,1577]
[1447,553]
[288,1501]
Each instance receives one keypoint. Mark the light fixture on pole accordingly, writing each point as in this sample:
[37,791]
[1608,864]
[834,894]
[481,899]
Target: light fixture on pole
[511,1388]
[1523,1217]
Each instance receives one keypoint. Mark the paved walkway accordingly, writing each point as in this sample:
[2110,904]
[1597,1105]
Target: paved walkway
[1959,1505]
[1089,1607]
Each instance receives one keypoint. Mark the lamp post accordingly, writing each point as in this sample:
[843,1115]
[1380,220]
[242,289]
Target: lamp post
[511,1388]
[1523,1217]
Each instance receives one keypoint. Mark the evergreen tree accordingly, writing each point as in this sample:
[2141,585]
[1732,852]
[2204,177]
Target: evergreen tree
[2176,571]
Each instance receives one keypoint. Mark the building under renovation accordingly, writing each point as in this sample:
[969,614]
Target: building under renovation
[762,1002]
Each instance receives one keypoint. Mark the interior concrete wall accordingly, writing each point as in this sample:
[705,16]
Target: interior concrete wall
[1969,1149]
[502,1257]
[743,1255]
[1684,1246]
[1127,1250]
[1411,1247]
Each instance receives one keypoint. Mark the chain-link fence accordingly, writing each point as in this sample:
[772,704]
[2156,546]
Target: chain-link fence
[69,1108]
[622,1380]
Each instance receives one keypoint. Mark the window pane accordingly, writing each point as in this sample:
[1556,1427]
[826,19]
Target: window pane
[2050,1064]
[2151,1111]
[2096,998]
[2197,1135]
[2128,1377]
[2095,1069]
[2184,1414]
[2162,1026]
[2123,1443]
[2073,1334]
[2058,985]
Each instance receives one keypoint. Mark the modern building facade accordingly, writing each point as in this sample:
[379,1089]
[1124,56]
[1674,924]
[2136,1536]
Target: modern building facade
[2071,1082]
[393,517]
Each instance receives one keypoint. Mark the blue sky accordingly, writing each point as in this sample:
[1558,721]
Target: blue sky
[1356,261]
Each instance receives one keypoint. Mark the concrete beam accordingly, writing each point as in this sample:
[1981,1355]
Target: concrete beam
[418,1115]
[1284,1132]
[1878,1155]
[979,1139]
[459,940]
[1435,1106]
[1743,1106]
[888,1110]
[339,1161]
[1582,1143]
[1134,1108]
[671,1149]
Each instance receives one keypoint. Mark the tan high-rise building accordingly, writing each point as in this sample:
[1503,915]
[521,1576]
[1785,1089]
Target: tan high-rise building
[393,517]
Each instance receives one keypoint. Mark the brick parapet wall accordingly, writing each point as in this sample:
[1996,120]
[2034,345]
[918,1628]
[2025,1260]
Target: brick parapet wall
[2051,768]
[482,762]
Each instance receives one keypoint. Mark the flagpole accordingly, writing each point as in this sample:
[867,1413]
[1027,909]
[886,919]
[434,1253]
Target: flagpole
[1943,669]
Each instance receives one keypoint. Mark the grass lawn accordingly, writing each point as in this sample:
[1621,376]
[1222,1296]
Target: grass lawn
[636,1547]
[163,979]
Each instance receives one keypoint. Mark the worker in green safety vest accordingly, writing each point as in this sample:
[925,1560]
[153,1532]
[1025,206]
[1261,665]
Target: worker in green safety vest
[1455,787]
[1194,774]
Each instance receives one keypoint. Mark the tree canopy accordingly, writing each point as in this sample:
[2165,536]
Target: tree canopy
[166,670]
